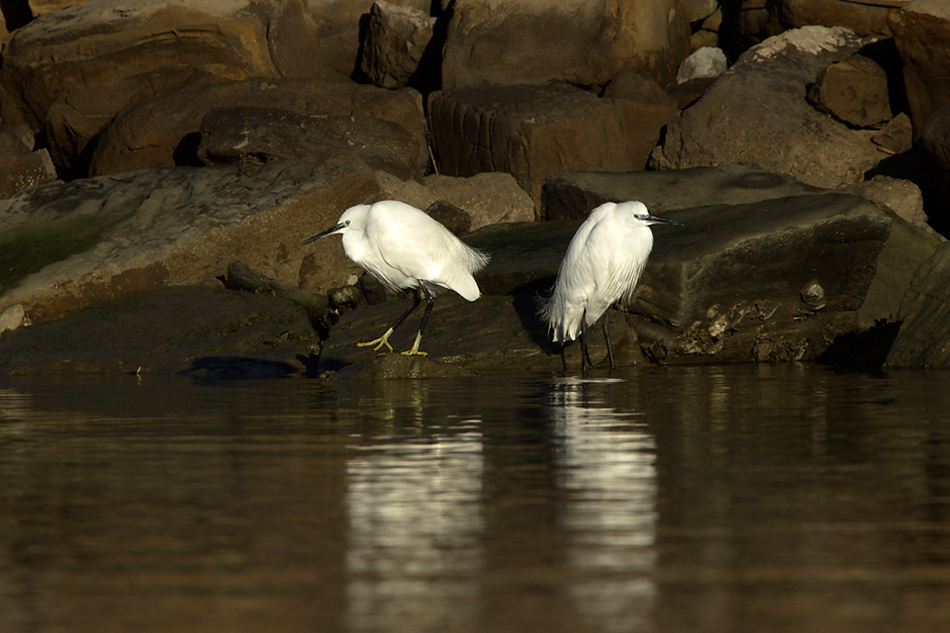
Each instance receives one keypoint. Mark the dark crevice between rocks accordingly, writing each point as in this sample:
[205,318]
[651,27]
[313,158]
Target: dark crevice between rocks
[862,351]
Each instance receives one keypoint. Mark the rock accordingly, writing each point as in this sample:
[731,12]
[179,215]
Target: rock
[527,131]
[256,135]
[901,196]
[705,62]
[699,10]
[168,330]
[20,167]
[394,50]
[12,318]
[756,112]
[69,72]
[165,131]
[65,247]
[317,306]
[340,30]
[896,136]
[748,22]
[736,282]
[645,107]
[580,42]
[854,91]
[707,34]
[935,147]
[573,196]
[922,31]
[456,220]
[764,269]
[42,7]
[935,139]
[389,366]
[924,336]
[488,198]
[495,332]
[689,92]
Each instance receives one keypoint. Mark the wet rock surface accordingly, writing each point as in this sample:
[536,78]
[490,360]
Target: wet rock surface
[205,330]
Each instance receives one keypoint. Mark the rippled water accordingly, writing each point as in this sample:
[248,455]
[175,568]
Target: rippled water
[756,498]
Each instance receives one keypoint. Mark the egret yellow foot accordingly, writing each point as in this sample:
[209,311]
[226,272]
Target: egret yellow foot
[382,340]
[414,350]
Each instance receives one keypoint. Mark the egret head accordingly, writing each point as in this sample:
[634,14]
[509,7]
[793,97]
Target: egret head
[352,219]
[638,214]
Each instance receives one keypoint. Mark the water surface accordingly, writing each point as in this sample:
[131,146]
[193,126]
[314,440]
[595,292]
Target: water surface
[753,498]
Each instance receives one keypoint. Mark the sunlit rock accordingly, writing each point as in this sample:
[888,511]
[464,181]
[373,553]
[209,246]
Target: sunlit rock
[64,247]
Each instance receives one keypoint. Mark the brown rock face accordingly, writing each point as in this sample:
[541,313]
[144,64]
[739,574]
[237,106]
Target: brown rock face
[530,132]
[67,73]
[582,42]
[854,91]
[164,131]
[922,32]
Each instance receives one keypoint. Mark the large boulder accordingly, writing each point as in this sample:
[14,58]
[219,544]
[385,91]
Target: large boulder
[924,316]
[398,48]
[748,22]
[67,73]
[935,147]
[165,131]
[922,32]
[646,109]
[757,111]
[764,268]
[528,131]
[255,135]
[487,198]
[581,42]
[64,247]
[854,91]
[341,23]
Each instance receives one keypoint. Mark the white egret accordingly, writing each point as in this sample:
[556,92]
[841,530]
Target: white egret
[602,265]
[405,249]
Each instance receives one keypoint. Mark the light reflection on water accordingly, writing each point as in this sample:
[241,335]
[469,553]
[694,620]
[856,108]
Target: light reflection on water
[414,516]
[606,461]
[693,498]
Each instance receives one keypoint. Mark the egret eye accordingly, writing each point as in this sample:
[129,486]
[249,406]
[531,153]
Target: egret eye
[347,223]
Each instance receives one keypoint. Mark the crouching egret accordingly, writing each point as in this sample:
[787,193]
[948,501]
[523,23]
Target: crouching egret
[405,249]
[602,265]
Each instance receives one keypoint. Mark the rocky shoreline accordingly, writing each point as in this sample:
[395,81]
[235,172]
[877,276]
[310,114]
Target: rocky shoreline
[164,159]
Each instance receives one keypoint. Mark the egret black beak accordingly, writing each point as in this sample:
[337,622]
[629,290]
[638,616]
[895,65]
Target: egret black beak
[652,219]
[329,231]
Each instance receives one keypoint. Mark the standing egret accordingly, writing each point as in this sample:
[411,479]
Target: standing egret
[602,265]
[406,249]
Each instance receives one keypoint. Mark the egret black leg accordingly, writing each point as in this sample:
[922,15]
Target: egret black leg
[416,300]
[584,354]
[384,339]
[610,351]
[430,301]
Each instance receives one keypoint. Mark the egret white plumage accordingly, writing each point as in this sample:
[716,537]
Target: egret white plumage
[405,249]
[602,265]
